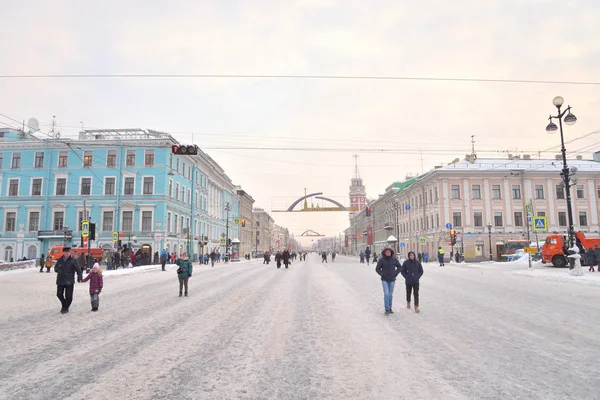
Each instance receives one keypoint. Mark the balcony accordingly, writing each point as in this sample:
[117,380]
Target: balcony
[61,234]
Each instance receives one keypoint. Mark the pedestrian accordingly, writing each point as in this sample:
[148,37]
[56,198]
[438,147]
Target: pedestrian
[374,257]
[286,258]
[419,257]
[66,268]
[388,268]
[278,259]
[213,258]
[441,256]
[362,257]
[48,263]
[426,257]
[412,271]
[324,257]
[597,256]
[163,259]
[96,285]
[42,262]
[184,272]
[367,255]
[333,256]
[457,257]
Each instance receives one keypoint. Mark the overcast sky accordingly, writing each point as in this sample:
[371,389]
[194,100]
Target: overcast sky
[528,39]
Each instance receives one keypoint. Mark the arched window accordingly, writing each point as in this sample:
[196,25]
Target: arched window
[8,253]
[31,252]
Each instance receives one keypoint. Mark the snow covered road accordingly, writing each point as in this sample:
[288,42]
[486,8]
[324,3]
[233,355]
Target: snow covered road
[249,331]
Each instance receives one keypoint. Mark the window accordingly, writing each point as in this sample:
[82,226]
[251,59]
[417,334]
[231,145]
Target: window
[34,221]
[189,196]
[177,165]
[146,221]
[86,186]
[127,224]
[11,221]
[129,186]
[59,219]
[598,188]
[148,185]
[87,158]
[82,218]
[36,187]
[583,218]
[111,158]
[16,161]
[181,226]
[107,221]
[496,194]
[498,218]
[476,191]
[109,186]
[257,223]
[560,191]
[13,187]
[175,221]
[130,162]
[478,218]
[539,191]
[39,159]
[169,222]
[455,191]
[170,188]
[436,194]
[516,192]
[580,192]
[518,218]
[149,158]
[562,218]
[31,252]
[61,186]
[2,160]
[183,193]
[63,157]
[541,213]
[456,219]
[177,191]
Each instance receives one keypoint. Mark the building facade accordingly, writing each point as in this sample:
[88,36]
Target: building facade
[484,200]
[263,228]
[132,184]
[246,205]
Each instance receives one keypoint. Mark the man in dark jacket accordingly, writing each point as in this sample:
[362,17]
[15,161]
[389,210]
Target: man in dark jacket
[286,258]
[66,268]
[412,271]
[388,268]
[367,255]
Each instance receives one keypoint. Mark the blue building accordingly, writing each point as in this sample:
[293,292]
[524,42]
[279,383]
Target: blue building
[127,181]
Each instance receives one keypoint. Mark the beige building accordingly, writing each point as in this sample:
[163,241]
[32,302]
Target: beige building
[478,197]
[246,236]
[262,230]
[279,238]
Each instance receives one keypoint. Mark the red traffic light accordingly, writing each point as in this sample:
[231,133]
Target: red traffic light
[191,150]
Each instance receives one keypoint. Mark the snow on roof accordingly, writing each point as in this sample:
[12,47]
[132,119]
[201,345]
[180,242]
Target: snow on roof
[498,164]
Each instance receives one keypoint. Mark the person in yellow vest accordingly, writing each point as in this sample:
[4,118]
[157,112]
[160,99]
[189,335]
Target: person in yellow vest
[48,263]
[441,256]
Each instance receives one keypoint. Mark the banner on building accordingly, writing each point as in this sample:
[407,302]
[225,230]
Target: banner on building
[345,240]
[370,235]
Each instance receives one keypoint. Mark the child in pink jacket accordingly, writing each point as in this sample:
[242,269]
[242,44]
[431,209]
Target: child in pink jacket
[96,284]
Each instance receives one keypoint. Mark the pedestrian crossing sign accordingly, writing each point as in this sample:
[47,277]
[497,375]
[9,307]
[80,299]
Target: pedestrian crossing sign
[115,237]
[222,241]
[540,224]
[236,221]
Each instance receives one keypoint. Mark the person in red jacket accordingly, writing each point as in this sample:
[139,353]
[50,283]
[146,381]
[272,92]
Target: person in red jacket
[96,284]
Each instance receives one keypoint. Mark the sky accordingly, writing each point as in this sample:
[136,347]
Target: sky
[426,123]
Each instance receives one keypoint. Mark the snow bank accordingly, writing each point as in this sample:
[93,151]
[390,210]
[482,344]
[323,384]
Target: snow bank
[19,265]
[562,275]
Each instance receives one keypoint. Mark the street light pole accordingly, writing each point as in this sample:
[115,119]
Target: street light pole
[489,225]
[570,119]
[227,208]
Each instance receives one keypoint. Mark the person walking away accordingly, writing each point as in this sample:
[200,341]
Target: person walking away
[362,257]
[184,272]
[286,258]
[412,271]
[441,256]
[324,257]
[48,263]
[597,256]
[374,257]
[367,255]
[278,259]
[419,257]
[426,257]
[457,257]
[96,284]
[591,258]
[333,256]
[42,263]
[163,259]
[66,268]
[388,269]
[213,258]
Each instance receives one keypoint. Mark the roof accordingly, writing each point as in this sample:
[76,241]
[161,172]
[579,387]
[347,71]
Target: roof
[497,164]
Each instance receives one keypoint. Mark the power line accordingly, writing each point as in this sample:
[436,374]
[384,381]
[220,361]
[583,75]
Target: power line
[292,76]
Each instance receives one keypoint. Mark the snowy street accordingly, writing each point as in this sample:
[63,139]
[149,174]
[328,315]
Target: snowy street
[315,331]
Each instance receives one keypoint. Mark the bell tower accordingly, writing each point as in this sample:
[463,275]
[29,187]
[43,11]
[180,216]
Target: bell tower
[358,193]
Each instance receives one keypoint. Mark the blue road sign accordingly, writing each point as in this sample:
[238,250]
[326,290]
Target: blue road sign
[540,224]
[448,225]
[529,219]
[407,207]
[402,244]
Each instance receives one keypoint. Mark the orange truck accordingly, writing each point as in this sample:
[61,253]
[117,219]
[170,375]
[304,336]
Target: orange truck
[57,252]
[555,248]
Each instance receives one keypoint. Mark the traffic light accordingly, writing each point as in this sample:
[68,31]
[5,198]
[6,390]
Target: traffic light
[453,236]
[92,231]
[184,149]
[243,223]
[368,211]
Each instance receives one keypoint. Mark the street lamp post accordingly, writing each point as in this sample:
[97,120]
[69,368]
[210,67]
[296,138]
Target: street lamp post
[489,226]
[227,208]
[570,119]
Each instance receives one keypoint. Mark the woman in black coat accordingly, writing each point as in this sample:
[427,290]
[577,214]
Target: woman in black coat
[412,271]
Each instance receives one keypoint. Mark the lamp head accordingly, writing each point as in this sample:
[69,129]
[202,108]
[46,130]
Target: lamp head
[558,101]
